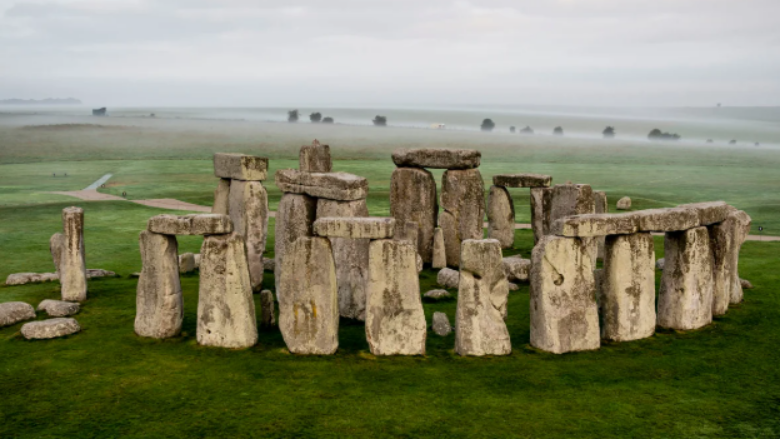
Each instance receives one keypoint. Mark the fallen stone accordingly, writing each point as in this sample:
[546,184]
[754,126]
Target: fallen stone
[540,211]
[73,268]
[594,225]
[513,286]
[197,260]
[27,278]
[193,224]
[437,294]
[355,227]
[315,158]
[501,216]
[448,278]
[746,284]
[437,158]
[665,220]
[186,263]
[249,214]
[624,203]
[332,185]
[517,269]
[395,321]
[522,180]
[267,314]
[463,200]
[56,247]
[240,167]
[269,264]
[159,303]
[413,198]
[222,198]
[99,272]
[439,259]
[15,312]
[659,264]
[710,212]
[51,328]
[294,218]
[58,308]
[441,324]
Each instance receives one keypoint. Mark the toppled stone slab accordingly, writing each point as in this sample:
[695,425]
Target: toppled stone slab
[448,278]
[517,269]
[437,294]
[294,218]
[441,324]
[522,180]
[333,185]
[99,272]
[51,328]
[463,200]
[59,308]
[193,224]
[439,259]
[267,313]
[315,158]
[592,225]
[437,158]
[413,198]
[501,216]
[248,209]
[624,204]
[28,278]
[355,227]
[56,247]
[222,197]
[73,267]
[240,167]
[159,303]
[710,212]
[15,312]
[186,263]
[665,220]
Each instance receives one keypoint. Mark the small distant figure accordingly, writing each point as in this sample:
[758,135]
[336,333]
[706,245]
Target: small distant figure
[733,142]
[609,132]
[124,194]
[527,130]
[99,111]
[558,131]
[327,120]
[512,129]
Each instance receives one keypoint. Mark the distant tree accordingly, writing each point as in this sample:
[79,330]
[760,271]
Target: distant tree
[380,121]
[292,116]
[733,142]
[657,134]
[327,120]
[609,132]
[315,117]
[756,144]
[512,129]
[709,140]
[487,125]
[558,131]
[527,130]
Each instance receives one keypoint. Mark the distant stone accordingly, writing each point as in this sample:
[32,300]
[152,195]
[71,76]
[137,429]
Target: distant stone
[437,294]
[659,264]
[59,308]
[438,158]
[159,304]
[624,203]
[522,180]
[99,272]
[56,247]
[52,328]
[267,314]
[413,198]
[746,284]
[517,269]
[240,167]
[15,312]
[710,212]
[193,224]
[355,227]
[315,158]
[592,225]
[73,268]
[501,216]
[222,197]
[448,278]
[441,324]
[186,263]
[332,185]
[28,278]
[439,259]
[666,220]
[463,201]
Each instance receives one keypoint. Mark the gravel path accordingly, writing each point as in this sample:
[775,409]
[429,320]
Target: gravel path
[97,184]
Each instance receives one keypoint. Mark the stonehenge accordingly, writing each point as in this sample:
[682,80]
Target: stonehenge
[159,304]
[624,204]
[441,324]
[462,199]
[413,198]
[73,267]
[538,184]
[315,158]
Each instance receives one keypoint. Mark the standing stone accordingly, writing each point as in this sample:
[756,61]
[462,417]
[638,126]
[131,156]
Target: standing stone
[315,158]
[627,293]
[159,308]
[624,203]
[186,263]
[540,211]
[240,166]
[742,231]
[501,216]
[439,259]
[517,268]
[564,313]
[226,308]
[463,200]
[350,256]
[685,296]
[249,213]
[267,314]
[15,312]
[73,268]
[56,246]
[441,324]
[726,239]
[570,199]
[222,197]
[308,298]
[395,321]
[602,206]
[413,198]
[294,219]
[482,297]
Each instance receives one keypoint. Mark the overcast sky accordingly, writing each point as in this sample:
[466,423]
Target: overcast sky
[392,52]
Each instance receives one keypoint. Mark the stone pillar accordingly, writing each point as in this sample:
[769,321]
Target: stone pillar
[56,246]
[267,315]
[627,293]
[463,200]
[439,251]
[395,321]
[248,209]
[685,296]
[501,216]
[294,219]
[159,305]
[571,199]
[482,296]
[315,158]
[222,197]
[726,239]
[226,308]
[413,198]
[308,298]
[564,313]
[73,268]
[540,211]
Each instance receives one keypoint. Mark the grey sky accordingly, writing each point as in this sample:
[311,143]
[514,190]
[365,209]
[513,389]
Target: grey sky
[362,52]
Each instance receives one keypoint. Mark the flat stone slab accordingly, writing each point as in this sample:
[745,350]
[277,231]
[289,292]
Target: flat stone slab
[99,272]
[52,328]
[355,227]
[666,220]
[522,180]
[331,185]
[59,308]
[517,269]
[28,278]
[437,158]
[240,167]
[194,224]
[710,212]
[15,312]
[437,294]
[589,225]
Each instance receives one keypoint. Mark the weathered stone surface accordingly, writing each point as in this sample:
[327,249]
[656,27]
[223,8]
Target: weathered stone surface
[725,241]
[482,298]
[355,227]
[222,197]
[501,216]
[624,204]
[437,294]
[193,224]
[746,284]
[186,263]
[159,304]
[99,272]
[308,298]
[448,278]
[517,269]
[226,308]
[52,328]
[240,167]
[437,158]
[660,263]
[441,324]
[59,308]
[570,199]
[73,267]
[564,313]
[56,247]
[294,218]
[540,211]
[332,185]
[439,259]
[395,321]
[602,206]
[315,158]
[28,278]
[408,232]
[249,213]
[627,291]
[267,313]
[15,312]
[710,212]
[350,257]
[685,295]
[665,220]
[522,180]
[742,231]
[269,264]
[413,198]
[594,225]
[196,257]
[463,200]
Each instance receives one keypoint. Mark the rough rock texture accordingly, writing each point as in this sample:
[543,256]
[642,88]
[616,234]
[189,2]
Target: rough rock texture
[482,299]
[437,294]
[570,199]
[249,213]
[602,206]
[269,264]
[52,328]
[742,230]
[395,321]
[710,212]
[513,286]
[240,167]
[354,227]
[226,308]
[294,219]
[522,180]
[27,278]
[197,260]
[501,216]
[267,314]
[315,158]
[448,278]
[725,243]
[59,308]
[660,263]
[159,304]
[441,324]
[517,269]
[193,224]
[332,185]
[222,197]
[413,198]
[666,220]
[186,263]
[540,211]
[308,298]
[685,295]
[15,312]
[745,284]
[439,259]
[99,272]
[624,203]
[437,158]
[350,257]
[463,201]
[73,268]
[56,246]
[409,231]
[627,291]
[594,225]
[564,314]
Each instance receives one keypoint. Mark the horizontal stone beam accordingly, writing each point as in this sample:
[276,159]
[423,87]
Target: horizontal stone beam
[522,180]
[437,158]
[710,212]
[195,224]
[597,224]
[355,227]
[240,167]
[331,185]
